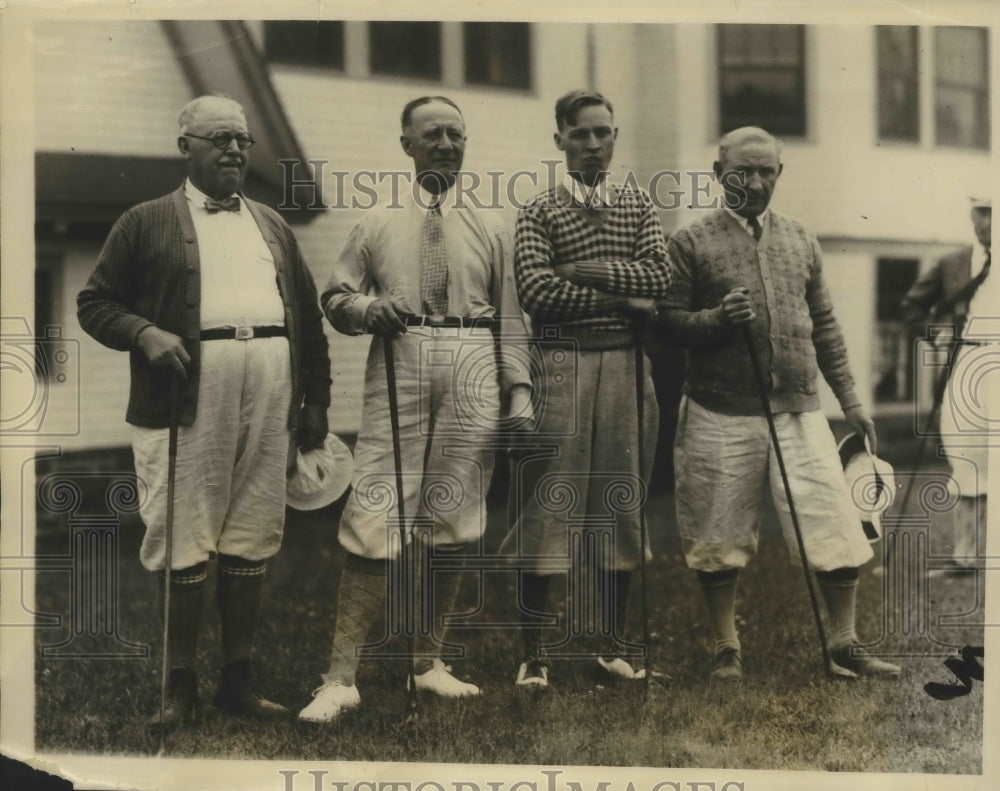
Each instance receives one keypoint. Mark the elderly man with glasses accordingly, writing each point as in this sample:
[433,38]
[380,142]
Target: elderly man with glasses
[208,289]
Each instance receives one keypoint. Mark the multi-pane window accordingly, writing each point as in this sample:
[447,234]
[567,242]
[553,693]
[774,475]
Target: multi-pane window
[762,78]
[498,54]
[898,82]
[405,49]
[305,43]
[961,87]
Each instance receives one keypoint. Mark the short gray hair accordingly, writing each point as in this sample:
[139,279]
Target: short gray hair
[191,110]
[747,134]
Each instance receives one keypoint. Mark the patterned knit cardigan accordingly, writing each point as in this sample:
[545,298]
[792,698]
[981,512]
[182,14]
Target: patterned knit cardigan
[795,332]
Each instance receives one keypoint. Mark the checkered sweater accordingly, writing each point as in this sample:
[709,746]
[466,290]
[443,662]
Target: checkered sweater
[795,332]
[626,238]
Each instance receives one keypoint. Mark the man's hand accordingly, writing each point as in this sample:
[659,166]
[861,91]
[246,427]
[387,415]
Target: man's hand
[381,319]
[313,427]
[736,308]
[163,348]
[643,307]
[565,271]
[862,425]
[518,426]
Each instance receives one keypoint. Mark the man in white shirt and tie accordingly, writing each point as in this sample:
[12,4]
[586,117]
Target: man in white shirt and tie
[436,276]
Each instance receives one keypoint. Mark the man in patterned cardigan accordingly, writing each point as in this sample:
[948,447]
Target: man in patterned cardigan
[589,259]
[745,265]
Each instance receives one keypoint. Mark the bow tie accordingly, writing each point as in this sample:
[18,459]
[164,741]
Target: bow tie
[232,203]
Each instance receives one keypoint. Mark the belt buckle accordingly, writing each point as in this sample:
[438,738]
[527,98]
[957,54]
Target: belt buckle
[436,320]
[244,333]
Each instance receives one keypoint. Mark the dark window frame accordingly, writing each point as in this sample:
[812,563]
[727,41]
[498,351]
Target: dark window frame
[283,44]
[893,75]
[981,134]
[796,122]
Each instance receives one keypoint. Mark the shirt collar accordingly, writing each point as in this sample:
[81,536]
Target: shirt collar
[197,198]
[588,196]
[761,218]
[426,198]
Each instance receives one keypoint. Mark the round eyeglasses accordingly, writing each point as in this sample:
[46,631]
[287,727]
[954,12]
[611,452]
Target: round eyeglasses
[221,140]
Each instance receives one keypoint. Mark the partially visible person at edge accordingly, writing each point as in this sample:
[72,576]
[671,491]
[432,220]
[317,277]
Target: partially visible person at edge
[958,291]
[590,258]
[746,267]
[435,276]
[207,287]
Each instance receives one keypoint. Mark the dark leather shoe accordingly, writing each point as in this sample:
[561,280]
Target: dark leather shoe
[727,665]
[853,657]
[181,701]
[235,695]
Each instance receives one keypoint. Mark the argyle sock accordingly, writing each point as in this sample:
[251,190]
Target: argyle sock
[534,597]
[187,600]
[839,589]
[238,592]
[360,600]
[437,597]
[614,609]
[719,590]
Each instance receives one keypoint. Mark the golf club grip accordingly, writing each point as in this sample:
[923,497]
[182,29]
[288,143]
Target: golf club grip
[769,415]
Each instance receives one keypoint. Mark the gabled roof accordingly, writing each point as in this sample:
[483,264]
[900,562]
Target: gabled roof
[214,57]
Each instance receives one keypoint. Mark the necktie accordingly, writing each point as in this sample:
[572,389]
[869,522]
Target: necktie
[755,226]
[232,203]
[433,263]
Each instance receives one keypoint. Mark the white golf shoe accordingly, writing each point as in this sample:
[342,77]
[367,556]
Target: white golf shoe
[440,681]
[620,669]
[329,701]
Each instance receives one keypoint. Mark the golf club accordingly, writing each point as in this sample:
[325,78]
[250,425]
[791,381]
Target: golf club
[412,706]
[168,559]
[832,668]
[640,409]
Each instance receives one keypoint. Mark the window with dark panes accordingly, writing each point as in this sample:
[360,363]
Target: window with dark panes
[305,43]
[893,353]
[961,87]
[898,82]
[498,54]
[762,77]
[405,49]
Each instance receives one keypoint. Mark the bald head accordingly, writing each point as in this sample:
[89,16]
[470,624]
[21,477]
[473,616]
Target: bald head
[197,110]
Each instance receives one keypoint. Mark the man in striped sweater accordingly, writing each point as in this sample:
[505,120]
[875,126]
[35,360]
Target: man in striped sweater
[589,260]
[746,266]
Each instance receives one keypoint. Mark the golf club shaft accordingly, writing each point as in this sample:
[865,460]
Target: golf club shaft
[766,404]
[169,554]
[404,554]
[640,409]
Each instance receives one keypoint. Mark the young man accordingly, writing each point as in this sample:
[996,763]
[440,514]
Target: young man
[741,267]
[590,259]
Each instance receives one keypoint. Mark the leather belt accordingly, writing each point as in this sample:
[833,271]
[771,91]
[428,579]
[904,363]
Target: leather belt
[243,333]
[410,320]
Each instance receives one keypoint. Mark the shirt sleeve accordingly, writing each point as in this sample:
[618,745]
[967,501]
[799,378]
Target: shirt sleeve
[681,316]
[105,304]
[827,337]
[647,274]
[512,332]
[544,294]
[347,295]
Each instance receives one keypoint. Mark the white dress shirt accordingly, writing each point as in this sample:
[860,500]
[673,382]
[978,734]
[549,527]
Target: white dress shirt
[238,281]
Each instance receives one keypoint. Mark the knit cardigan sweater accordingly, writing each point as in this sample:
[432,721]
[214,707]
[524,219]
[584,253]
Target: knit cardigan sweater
[794,331]
[626,239]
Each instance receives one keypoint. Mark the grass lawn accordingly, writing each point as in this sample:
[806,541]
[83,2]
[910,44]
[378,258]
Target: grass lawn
[786,715]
